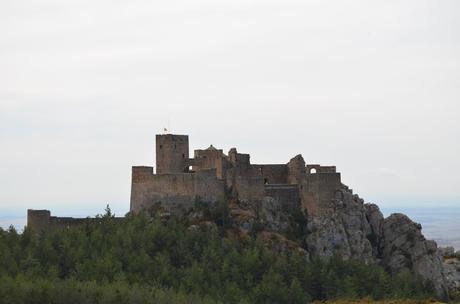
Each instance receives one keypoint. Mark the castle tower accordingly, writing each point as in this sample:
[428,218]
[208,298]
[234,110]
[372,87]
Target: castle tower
[172,153]
[38,219]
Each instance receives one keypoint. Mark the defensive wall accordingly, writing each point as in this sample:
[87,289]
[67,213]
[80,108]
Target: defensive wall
[273,174]
[285,195]
[39,220]
[173,190]
[318,189]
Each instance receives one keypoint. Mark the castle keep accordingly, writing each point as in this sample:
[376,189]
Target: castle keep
[179,179]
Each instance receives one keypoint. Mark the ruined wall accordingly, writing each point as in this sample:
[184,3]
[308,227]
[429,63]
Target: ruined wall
[172,153]
[210,158]
[39,220]
[249,188]
[173,190]
[318,190]
[273,174]
[222,165]
[240,160]
[296,170]
[244,180]
[287,196]
[312,169]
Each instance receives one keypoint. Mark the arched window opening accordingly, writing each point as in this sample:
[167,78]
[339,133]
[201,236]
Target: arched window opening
[312,171]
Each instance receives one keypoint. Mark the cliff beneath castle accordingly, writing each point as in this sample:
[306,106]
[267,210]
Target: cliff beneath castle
[351,229]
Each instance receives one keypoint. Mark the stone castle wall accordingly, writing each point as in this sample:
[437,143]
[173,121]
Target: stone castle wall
[177,190]
[320,169]
[287,196]
[318,190]
[273,174]
[39,220]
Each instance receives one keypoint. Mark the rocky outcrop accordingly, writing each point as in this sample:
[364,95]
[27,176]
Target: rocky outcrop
[279,243]
[404,247]
[351,229]
[452,275]
[342,229]
[451,263]
[447,252]
[267,215]
[375,220]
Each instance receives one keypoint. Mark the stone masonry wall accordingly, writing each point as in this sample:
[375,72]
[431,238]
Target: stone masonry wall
[287,196]
[172,153]
[273,174]
[173,190]
[320,169]
[39,220]
[318,190]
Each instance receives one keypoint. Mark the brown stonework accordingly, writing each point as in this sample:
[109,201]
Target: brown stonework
[214,174]
[172,153]
[39,220]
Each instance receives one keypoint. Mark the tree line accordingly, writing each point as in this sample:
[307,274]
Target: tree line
[152,258]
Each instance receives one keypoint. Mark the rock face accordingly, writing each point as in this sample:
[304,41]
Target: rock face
[342,228]
[351,229]
[404,247]
[446,252]
[452,274]
[451,263]
[354,230]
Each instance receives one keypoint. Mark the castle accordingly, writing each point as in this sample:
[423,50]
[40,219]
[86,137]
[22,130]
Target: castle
[210,176]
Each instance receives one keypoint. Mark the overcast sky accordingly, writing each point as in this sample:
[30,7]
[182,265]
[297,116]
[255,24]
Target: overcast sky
[370,86]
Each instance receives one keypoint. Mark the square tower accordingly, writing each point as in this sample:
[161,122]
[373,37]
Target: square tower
[172,153]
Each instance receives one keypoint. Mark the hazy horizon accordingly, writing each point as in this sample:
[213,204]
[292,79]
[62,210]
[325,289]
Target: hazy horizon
[372,88]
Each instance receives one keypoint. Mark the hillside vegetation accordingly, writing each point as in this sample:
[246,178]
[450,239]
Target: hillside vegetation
[160,258]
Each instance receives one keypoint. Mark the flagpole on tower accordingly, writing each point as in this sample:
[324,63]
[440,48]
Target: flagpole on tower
[166,130]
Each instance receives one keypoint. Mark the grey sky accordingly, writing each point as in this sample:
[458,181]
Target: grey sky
[370,86]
